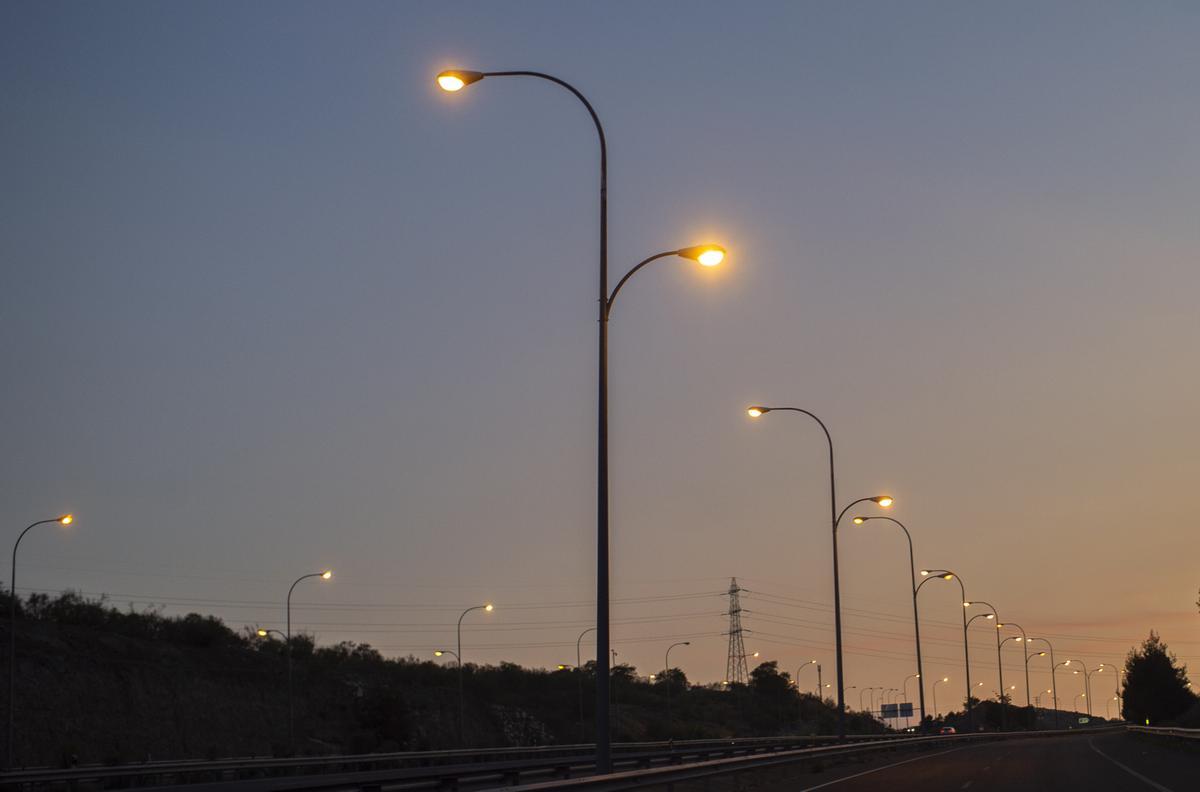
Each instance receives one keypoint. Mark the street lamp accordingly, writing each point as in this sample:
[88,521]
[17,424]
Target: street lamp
[994,615]
[326,575]
[1087,684]
[263,633]
[801,668]
[1116,673]
[908,721]
[885,501]
[579,665]
[945,574]
[707,255]
[912,571]
[667,675]
[1053,683]
[63,519]
[487,607]
[1019,639]
[937,682]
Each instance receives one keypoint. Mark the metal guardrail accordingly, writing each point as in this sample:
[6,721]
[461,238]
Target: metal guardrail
[667,776]
[1167,731]
[442,765]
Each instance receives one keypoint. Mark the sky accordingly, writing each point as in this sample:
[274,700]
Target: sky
[270,302]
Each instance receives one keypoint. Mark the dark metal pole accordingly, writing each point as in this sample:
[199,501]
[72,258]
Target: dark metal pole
[12,642]
[666,673]
[291,701]
[603,736]
[579,670]
[1053,683]
[912,570]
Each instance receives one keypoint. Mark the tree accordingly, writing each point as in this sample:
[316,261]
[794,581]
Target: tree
[1156,687]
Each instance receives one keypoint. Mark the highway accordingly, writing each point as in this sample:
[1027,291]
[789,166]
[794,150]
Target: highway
[1110,761]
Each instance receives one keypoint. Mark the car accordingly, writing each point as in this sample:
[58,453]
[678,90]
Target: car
[948,730]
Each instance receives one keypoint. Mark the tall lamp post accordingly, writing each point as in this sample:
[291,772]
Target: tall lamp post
[1053,683]
[579,668]
[667,675]
[801,668]
[912,571]
[937,682]
[945,574]
[1087,685]
[995,615]
[1116,673]
[908,722]
[1021,639]
[64,519]
[452,81]
[757,411]
[487,607]
[326,575]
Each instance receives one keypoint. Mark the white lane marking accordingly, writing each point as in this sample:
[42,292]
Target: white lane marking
[1127,769]
[886,767]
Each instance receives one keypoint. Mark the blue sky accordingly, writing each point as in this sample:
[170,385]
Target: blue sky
[271,301]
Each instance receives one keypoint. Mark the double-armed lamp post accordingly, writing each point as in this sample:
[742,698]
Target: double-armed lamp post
[65,519]
[757,411]
[945,574]
[912,572]
[994,616]
[707,255]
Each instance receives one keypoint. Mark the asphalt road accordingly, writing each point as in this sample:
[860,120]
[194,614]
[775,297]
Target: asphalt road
[1112,761]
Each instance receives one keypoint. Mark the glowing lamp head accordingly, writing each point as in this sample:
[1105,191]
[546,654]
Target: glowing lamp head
[885,501]
[261,633]
[947,576]
[66,519]
[489,607]
[945,679]
[562,667]
[757,412]
[451,81]
[707,255]
[966,604]
[1041,654]
[990,616]
[1067,663]
[924,573]
[859,520]
[438,653]
[327,574]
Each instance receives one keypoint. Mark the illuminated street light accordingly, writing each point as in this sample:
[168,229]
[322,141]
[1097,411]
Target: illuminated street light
[667,672]
[1019,639]
[937,682]
[707,255]
[324,575]
[487,607]
[884,501]
[945,574]
[913,582]
[63,519]
[995,616]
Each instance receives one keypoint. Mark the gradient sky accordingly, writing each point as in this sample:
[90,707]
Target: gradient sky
[271,302]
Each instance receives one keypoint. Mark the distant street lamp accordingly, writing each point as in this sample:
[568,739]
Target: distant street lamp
[1053,684]
[263,633]
[64,519]
[667,675]
[292,732]
[945,574]
[801,668]
[885,501]
[487,608]
[908,721]
[912,572]
[1116,673]
[579,666]
[1075,702]
[706,255]
[937,682]
[1087,684]
[995,615]
[1021,639]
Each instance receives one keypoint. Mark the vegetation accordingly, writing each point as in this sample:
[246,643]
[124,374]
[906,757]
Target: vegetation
[98,684]
[1156,689]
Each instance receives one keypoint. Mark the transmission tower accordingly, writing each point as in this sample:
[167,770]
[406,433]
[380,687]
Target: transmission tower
[735,666]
